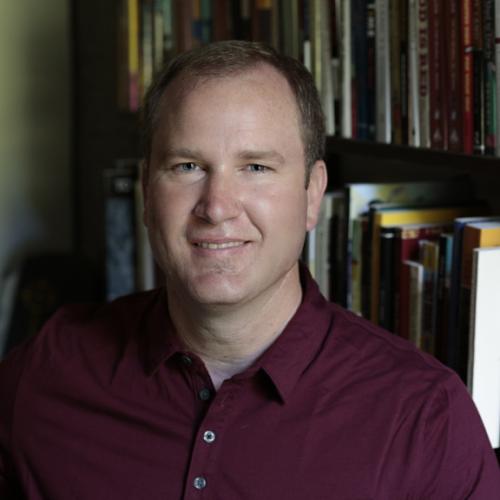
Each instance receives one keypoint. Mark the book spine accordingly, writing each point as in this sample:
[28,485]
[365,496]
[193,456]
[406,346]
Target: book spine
[490,98]
[415,285]
[454,92]
[443,292]
[423,69]
[383,73]
[169,34]
[119,234]
[360,65]
[497,65]
[133,56]
[403,72]
[435,75]
[158,40]
[386,298]
[478,74]
[430,259]
[395,62]
[371,78]
[467,77]
[346,69]
[413,76]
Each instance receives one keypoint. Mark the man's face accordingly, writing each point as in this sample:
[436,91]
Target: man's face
[226,203]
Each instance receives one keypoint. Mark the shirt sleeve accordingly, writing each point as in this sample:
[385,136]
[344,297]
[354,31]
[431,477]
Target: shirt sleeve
[458,461]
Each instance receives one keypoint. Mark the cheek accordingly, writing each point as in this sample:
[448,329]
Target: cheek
[282,209]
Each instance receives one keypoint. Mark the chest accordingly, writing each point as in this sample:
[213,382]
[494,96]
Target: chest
[177,439]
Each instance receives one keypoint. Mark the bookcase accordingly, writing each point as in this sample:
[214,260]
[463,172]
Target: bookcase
[104,133]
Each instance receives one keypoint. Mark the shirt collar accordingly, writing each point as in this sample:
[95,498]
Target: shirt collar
[284,361]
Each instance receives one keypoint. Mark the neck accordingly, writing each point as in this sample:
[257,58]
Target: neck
[230,338]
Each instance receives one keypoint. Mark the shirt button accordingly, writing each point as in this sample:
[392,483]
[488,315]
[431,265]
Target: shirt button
[204,394]
[199,482]
[209,436]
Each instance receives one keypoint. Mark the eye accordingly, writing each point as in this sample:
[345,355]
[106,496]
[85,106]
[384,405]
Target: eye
[186,167]
[257,168]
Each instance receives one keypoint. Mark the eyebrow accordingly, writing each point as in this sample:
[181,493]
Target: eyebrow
[246,154]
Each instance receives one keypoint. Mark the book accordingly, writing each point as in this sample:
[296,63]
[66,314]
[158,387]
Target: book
[359,197]
[387,281]
[467,77]
[414,282]
[128,55]
[345,46]
[476,235]
[413,75]
[392,216]
[429,257]
[395,29]
[120,241]
[490,97]
[452,347]
[478,74]
[360,70]
[444,281]
[437,90]
[497,65]
[321,57]
[407,238]
[423,74]
[371,65]
[383,126]
[454,74]
[483,377]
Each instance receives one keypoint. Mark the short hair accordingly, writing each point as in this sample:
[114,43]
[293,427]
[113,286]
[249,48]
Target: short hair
[230,57]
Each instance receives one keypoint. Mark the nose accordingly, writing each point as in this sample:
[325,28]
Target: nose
[219,200]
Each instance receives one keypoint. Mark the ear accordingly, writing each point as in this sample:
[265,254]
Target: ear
[318,181]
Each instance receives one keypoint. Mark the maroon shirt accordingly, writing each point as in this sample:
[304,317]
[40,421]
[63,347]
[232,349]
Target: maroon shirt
[104,404]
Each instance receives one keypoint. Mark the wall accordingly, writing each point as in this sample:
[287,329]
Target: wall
[35,129]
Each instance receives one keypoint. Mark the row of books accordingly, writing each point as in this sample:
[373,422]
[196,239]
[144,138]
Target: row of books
[416,72]
[422,260]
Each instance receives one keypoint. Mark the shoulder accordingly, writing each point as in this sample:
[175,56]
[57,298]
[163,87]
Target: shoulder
[381,353]
[420,400]
[76,335]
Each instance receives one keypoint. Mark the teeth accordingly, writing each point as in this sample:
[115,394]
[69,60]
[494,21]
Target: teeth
[219,246]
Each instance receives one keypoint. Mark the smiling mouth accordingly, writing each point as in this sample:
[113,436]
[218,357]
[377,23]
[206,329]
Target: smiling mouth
[220,246]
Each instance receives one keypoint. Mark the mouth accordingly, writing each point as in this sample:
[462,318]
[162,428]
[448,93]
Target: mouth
[220,245]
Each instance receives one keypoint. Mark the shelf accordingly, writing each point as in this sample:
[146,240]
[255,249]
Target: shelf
[412,155]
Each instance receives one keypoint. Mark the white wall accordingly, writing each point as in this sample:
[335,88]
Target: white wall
[35,126]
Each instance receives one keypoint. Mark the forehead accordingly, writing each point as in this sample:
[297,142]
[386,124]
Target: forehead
[260,90]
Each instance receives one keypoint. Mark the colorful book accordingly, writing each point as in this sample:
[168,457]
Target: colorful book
[437,90]
[414,281]
[392,216]
[467,77]
[359,197]
[454,71]
[383,124]
[407,238]
[490,95]
[423,77]
[478,74]
[459,224]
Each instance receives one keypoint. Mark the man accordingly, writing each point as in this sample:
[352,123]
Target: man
[238,380]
